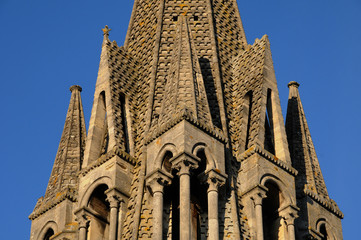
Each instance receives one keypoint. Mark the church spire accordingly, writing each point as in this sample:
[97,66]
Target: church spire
[70,152]
[184,91]
[302,150]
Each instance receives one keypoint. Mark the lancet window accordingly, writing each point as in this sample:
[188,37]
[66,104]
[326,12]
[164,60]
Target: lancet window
[269,132]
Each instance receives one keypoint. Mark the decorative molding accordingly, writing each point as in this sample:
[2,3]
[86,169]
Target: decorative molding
[214,132]
[329,204]
[70,194]
[116,151]
[269,156]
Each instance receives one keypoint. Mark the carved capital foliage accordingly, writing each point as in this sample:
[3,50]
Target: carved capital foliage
[289,214]
[157,180]
[184,163]
[83,217]
[257,194]
[115,197]
[214,179]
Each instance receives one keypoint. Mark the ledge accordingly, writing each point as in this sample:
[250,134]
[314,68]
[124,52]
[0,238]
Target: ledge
[270,157]
[212,131]
[116,151]
[70,194]
[326,203]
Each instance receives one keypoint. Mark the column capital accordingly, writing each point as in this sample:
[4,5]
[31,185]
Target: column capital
[256,194]
[184,163]
[214,178]
[289,214]
[82,217]
[114,197]
[157,179]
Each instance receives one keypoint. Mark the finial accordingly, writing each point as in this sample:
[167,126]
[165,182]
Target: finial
[75,87]
[294,83]
[106,31]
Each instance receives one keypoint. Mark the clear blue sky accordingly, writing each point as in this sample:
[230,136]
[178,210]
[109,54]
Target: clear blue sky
[47,46]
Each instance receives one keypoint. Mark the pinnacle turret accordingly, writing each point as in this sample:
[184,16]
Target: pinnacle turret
[63,180]
[302,150]
[70,152]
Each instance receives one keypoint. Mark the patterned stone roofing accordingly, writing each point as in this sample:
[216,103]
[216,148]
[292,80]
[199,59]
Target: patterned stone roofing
[184,90]
[309,180]
[68,160]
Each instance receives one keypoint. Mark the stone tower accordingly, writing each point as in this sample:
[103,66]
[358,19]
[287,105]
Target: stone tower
[186,140]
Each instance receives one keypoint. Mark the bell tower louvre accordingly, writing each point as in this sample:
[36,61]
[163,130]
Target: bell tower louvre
[186,140]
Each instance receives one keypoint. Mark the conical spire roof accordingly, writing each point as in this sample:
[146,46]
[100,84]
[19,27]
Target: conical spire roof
[69,157]
[302,150]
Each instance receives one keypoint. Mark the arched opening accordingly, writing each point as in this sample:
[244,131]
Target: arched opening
[171,202]
[99,224]
[323,231]
[48,234]
[268,125]
[199,207]
[199,203]
[166,164]
[271,217]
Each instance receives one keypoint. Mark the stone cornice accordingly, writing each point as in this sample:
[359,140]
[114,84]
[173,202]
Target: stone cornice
[116,151]
[212,131]
[70,194]
[270,157]
[326,203]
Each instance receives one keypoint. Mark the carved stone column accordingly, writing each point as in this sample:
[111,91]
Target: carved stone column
[257,195]
[83,219]
[184,163]
[214,180]
[113,220]
[156,182]
[115,199]
[289,214]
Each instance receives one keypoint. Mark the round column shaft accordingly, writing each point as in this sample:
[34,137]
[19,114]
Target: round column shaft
[213,224]
[259,220]
[158,216]
[185,207]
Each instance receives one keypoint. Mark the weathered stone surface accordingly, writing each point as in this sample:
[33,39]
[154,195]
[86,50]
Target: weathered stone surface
[186,98]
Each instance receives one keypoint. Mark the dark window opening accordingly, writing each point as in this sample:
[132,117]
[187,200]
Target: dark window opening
[103,113]
[269,135]
[49,234]
[248,111]
[195,18]
[171,213]
[323,232]
[271,218]
[124,123]
[175,18]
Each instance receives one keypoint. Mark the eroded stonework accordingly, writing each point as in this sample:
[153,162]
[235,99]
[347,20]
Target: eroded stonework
[186,140]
